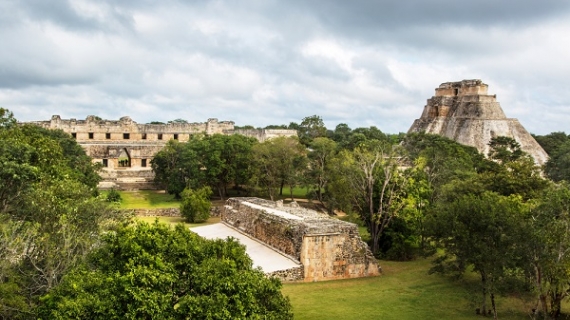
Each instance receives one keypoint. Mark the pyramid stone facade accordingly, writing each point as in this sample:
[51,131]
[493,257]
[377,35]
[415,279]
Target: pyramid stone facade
[465,112]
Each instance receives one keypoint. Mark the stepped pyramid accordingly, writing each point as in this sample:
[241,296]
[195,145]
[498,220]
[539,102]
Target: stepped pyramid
[465,112]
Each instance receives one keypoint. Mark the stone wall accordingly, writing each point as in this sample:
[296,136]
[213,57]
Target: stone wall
[161,212]
[327,248]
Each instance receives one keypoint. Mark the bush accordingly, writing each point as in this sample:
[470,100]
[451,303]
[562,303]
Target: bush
[147,271]
[195,206]
[114,196]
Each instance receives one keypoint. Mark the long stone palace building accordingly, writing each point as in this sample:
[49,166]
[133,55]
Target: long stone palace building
[465,112]
[126,148]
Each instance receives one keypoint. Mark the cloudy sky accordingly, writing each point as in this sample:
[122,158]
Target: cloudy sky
[261,62]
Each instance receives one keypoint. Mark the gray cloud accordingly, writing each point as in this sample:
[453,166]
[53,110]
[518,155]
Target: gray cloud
[272,62]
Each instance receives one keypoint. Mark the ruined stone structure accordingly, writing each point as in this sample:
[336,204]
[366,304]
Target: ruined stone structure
[326,248]
[126,148]
[465,112]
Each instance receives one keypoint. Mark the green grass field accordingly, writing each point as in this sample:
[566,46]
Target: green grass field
[146,199]
[404,291]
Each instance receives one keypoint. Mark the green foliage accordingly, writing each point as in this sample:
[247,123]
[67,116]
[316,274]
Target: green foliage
[195,206]
[216,161]
[49,219]
[552,141]
[370,181]
[178,121]
[557,167]
[113,196]
[278,162]
[479,230]
[321,151]
[545,244]
[310,128]
[152,271]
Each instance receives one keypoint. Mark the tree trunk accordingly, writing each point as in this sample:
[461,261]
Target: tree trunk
[555,304]
[493,306]
[542,298]
[484,285]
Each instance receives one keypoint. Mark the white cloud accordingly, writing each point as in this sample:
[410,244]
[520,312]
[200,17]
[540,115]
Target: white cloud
[270,62]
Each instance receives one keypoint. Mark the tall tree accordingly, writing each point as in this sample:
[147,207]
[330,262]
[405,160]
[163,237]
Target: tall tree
[310,128]
[215,161]
[371,181]
[546,246]
[321,151]
[557,167]
[277,162]
[49,219]
[478,229]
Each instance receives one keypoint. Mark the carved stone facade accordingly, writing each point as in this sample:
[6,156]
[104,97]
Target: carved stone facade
[327,248]
[465,112]
[126,148]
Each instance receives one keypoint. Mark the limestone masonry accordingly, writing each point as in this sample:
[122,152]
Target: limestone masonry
[465,112]
[327,248]
[126,148]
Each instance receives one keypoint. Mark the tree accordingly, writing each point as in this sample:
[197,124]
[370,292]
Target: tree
[310,128]
[478,229]
[277,162]
[321,151]
[557,167]
[546,246]
[443,160]
[195,206]
[215,161]
[178,121]
[341,134]
[511,171]
[552,141]
[173,166]
[370,180]
[153,271]
[49,218]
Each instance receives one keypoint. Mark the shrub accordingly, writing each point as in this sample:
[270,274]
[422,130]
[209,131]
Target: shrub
[195,206]
[114,196]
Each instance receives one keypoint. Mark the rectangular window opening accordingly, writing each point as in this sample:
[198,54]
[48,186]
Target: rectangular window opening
[160,136]
[176,136]
[90,135]
[126,136]
[74,135]
[105,163]
[107,136]
[143,136]
[143,162]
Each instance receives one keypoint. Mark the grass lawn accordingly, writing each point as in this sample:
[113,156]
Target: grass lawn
[147,199]
[404,291]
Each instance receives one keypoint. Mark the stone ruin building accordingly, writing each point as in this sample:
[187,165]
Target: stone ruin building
[325,248]
[126,148]
[465,112]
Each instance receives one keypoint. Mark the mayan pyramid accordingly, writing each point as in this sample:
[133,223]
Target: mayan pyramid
[465,112]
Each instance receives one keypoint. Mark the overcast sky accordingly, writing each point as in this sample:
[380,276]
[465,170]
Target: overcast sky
[261,62]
